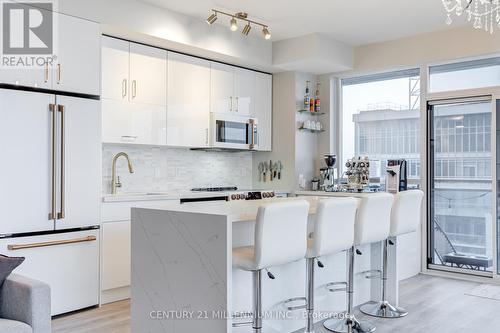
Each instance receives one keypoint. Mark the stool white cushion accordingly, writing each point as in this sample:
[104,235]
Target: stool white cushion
[406,212]
[333,228]
[373,219]
[280,236]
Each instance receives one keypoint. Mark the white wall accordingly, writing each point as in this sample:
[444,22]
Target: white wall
[441,46]
[157,26]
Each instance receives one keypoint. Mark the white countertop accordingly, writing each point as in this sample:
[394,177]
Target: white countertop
[335,194]
[235,210]
[173,195]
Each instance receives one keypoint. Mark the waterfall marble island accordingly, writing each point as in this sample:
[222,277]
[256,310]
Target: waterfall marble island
[183,279]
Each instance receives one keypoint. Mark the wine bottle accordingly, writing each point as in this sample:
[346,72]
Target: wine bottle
[317,102]
[307,97]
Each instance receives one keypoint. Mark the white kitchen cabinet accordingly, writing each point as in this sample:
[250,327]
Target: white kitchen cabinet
[78,64]
[188,110]
[115,68]
[124,122]
[116,255]
[134,93]
[244,91]
[148,75]
[232,89]
[221,88]
[71,270]
[263,109]
[82,154]
[133,72]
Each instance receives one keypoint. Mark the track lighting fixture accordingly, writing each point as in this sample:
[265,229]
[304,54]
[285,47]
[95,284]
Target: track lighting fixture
[233,23]
[246,29]
[212,18]
[266,33]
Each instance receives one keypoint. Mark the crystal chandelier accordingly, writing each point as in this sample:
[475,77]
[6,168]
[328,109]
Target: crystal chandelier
[483,13]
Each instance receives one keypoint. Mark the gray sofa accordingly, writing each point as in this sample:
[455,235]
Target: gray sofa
[24,306]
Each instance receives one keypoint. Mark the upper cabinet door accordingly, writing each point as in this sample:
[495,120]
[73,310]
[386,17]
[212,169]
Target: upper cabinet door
[115,68]
[244,91]
[78,64]
[37,76]
[148,75]
[188,109]
[222,88]
[263,109]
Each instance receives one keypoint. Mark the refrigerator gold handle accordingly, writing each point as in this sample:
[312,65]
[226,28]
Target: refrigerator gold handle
[14,247]
[52,214]
[62,110]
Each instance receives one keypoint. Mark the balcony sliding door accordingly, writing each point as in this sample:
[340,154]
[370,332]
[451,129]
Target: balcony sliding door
[460,185]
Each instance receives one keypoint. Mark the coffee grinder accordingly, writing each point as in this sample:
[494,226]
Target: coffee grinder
[328,174]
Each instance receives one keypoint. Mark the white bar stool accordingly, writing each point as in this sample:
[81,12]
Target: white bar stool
[372,225]
[405,218]
[333,233]
[280,238]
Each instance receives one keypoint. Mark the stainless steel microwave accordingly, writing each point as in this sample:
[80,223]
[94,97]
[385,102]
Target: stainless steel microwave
[234,131]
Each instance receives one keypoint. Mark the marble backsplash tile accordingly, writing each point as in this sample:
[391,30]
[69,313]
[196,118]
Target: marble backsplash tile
[159,169]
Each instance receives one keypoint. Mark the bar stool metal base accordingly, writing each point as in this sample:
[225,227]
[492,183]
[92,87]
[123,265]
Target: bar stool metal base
[347,325]
[383,310]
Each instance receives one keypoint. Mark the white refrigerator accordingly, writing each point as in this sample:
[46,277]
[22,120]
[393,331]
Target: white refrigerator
[50,192]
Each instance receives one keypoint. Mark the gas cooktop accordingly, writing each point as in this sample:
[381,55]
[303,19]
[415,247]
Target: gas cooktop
[215,189]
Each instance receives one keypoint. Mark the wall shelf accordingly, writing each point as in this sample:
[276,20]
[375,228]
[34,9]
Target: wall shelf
[311,113]
[311,130]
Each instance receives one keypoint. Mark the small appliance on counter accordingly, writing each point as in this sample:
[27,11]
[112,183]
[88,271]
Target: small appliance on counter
[396,179]
[358,173]
[328,174]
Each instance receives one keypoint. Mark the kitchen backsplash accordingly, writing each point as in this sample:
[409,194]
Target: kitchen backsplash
[175,169]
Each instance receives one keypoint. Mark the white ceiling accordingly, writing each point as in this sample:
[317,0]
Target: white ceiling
[355,22]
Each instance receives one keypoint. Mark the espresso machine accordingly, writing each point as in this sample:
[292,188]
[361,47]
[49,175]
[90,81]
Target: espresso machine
[328,174]
[358,173]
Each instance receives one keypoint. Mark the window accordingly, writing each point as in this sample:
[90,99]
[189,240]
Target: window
[465,75]
[381,118]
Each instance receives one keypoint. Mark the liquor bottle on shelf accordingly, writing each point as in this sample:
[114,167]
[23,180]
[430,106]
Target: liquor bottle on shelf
[317,102]
[311,105]
[307,97]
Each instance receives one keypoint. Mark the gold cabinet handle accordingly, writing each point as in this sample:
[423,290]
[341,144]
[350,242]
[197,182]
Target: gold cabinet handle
[124,88]
[134,88]
[237,108]
[206,136]
[14,247]
[52,214]
[58,73]
[62,110]
[231,103]
[46,72]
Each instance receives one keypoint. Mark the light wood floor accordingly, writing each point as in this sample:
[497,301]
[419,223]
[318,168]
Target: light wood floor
[434,305]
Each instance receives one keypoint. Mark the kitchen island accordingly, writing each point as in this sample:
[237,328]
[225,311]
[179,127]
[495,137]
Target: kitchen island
[183,279]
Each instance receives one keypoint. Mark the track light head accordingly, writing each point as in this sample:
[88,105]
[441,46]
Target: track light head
[246,29]
[212,18]
[266,33]
[234,24]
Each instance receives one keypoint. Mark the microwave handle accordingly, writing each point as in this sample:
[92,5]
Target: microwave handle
[253,129]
